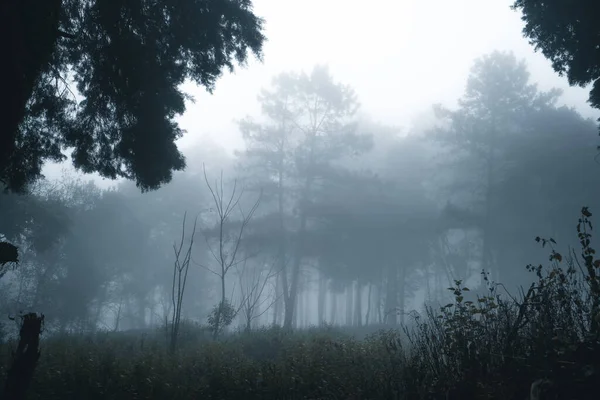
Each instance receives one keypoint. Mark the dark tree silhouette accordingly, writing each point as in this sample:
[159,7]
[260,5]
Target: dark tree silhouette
[568,34]
[128,59]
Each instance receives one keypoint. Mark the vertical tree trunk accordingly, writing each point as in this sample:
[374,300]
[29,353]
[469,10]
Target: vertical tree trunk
[118,316]
[291,303]
[255,323]
[141,313]
[349,303]
[321,299]
[293,315]
[487,252]
[25,358]
[334,307]
[367,317]
[379,290]
[300,309]
[391,297]
[307,313]
[358,305]
[401,293]
[299,247]
[279,305]
[97,316]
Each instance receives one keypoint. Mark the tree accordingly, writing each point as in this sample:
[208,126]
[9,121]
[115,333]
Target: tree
[568,34]
[108,255]
[128,60]
[310,126]
[180,274]
[540,193]
[491,117]
[253,280]
[226,251]
[371,227]
[38,221]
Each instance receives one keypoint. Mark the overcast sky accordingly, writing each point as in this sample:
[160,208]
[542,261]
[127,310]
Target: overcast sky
[401,56]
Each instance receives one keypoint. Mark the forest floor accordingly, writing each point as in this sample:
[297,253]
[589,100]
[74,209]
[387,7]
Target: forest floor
[317,363]
[541,345]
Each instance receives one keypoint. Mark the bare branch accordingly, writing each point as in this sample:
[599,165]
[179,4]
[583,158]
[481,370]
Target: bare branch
[205,267]
[180,274]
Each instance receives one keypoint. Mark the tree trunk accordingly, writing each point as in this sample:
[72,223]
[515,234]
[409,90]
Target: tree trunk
[300,310]
[401,294]
[307,313]
[293,294]
[486,253]
[299,248]
[391,297]
[294,315]
[358,305]
[25,358]
[141,313]
[349,303]
[321,299]
[334,310]
[367,317]
[288,304]
[118,316]
[278,306]
[255,311]
[378,288]
[97,316]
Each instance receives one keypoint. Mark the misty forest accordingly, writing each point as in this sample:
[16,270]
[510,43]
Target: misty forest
[328,253]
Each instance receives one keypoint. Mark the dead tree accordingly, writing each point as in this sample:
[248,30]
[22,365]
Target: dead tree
[228,237]
[180,273]
[253,282]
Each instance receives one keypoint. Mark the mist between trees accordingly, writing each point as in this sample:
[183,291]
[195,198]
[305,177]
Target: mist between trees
[324,217]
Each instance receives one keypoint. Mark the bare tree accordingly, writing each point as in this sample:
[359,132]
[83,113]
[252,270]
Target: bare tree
[253,282]
[228,237]
[180,273]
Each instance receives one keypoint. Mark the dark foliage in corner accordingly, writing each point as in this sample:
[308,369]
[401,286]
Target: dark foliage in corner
[128,59]
[568,34]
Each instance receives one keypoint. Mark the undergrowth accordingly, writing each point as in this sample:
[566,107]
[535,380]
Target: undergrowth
[491,347]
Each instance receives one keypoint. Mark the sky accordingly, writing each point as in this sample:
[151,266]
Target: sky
[400,56]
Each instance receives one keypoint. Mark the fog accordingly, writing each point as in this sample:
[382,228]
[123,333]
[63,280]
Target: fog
[396,208]
[399,56]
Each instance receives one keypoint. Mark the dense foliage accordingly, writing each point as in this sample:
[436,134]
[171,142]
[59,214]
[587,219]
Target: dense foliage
[567,33]
[128,60]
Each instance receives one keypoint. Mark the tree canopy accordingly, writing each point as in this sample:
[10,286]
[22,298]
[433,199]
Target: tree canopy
[128,60]
[567,33]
